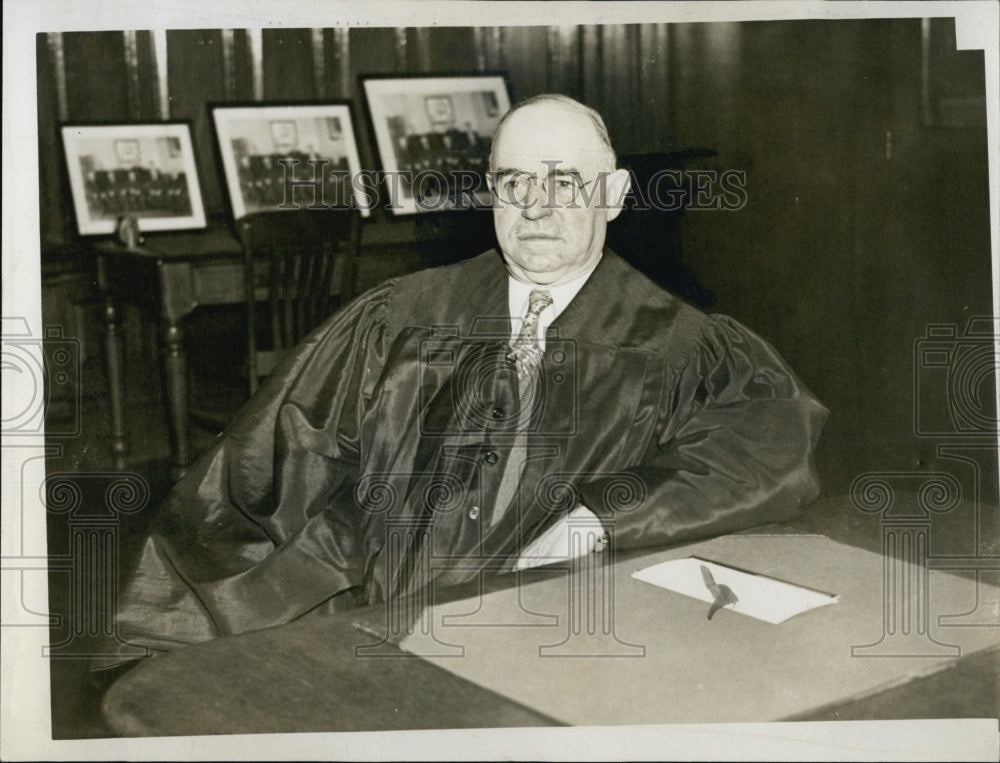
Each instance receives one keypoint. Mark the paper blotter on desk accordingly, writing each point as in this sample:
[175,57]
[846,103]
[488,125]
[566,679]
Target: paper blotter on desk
[757,596]
[592,645]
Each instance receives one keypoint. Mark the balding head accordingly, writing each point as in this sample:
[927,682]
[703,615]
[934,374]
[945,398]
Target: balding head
[607,161]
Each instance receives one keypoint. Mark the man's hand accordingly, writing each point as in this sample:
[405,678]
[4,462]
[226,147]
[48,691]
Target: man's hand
[576,534]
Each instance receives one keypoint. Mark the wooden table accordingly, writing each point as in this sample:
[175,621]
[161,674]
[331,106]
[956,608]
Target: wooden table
[172,274]
[169,276]
[347,672]
[298,678]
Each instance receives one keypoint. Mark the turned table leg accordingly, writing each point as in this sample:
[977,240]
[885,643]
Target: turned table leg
[114,362]
[175,368]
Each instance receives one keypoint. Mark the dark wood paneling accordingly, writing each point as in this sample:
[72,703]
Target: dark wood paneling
[491,41]
[861,226]
[243,66]
[564,61]
[339,71]
[148,92]
[592,66]
[444,49]
[618,101]
[52,187]
[791,262]
[373,50]
[526,57]
[195,70]
[96,88]
[196,77]
[417,50]
[288,65]
[653,90]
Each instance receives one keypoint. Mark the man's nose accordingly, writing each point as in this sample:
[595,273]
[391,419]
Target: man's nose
[535,203]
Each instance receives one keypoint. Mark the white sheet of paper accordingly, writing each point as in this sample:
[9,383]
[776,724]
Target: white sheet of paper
[759,596]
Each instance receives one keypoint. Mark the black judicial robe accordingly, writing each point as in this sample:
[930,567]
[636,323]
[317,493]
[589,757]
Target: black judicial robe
[365,466]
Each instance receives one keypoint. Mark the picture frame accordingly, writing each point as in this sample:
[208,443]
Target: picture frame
[146,171]
[428,129]
[261,143]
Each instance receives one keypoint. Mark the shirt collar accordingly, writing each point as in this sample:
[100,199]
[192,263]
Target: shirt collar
[562,294]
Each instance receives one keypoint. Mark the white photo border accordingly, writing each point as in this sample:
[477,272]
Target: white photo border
[25,676]
[225,114]
[377,87]
[72,135]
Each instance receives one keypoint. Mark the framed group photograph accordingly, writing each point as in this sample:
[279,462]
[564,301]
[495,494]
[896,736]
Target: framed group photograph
[433,136]
[143,171]
[273,154]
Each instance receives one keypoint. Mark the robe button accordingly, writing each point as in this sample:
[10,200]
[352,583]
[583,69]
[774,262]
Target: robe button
[492,457]
[497,412]
[474,512]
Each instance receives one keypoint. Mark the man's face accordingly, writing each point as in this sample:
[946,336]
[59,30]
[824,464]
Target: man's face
[544,241]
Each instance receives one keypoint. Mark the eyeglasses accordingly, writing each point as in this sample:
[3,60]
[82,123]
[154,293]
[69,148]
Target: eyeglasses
[512,187]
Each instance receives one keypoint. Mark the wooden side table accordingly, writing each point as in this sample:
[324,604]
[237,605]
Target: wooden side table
[168,276]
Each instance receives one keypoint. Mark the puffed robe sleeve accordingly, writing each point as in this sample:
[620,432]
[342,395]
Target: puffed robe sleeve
[263,527]
[733,447]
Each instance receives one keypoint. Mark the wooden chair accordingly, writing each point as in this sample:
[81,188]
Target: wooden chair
[299,267]
[303,264]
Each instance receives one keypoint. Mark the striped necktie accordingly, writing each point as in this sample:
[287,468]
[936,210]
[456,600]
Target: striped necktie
[526,352]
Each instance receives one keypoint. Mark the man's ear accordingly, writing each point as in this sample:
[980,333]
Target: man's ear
[618,186]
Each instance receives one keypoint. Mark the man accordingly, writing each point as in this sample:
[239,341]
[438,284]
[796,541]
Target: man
[427,433]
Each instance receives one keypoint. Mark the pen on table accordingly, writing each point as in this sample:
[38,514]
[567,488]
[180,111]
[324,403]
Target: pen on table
[722,594]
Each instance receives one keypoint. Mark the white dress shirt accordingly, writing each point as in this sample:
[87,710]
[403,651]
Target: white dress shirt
[562,294]
[556,541]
